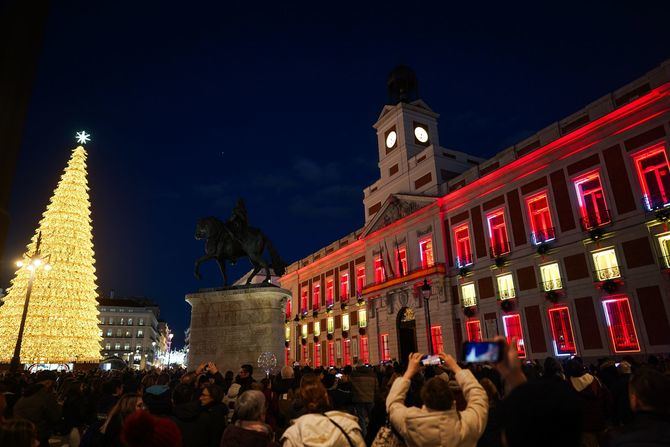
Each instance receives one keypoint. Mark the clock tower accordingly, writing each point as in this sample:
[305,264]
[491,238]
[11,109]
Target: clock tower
[411,160]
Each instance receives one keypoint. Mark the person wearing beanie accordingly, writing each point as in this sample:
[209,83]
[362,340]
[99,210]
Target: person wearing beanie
[40,406]
[157,400]
[141,429]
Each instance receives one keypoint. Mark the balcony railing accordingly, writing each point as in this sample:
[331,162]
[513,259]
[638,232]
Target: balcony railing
[608,273]
[654,202]
[592,221]
[551,284]
[544,235]
[507,294]
[462,261]
[499,249]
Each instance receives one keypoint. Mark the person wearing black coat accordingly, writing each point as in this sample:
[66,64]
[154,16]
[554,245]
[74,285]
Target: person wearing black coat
[193,422]
[211,401]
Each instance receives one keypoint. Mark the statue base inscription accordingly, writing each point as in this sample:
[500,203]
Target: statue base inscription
[234,326]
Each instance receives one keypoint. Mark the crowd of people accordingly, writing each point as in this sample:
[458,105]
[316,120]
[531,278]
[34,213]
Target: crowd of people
[509,403]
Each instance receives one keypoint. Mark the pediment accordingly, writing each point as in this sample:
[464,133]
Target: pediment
[396,207]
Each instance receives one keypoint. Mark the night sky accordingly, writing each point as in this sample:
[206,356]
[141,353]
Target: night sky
[192,105]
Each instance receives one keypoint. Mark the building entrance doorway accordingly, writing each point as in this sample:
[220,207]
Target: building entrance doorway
[406,326]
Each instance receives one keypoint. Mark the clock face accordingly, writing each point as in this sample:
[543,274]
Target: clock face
[421,134]
[391,139]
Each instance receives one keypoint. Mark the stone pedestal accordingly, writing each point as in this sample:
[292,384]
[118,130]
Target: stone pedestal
[234,326]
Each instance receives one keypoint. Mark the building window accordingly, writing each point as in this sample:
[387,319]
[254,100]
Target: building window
[654,175]
[551,277]
[380,274]
[664,242]
[317,328]
[506,289]
[463,248]
[117,346]
[401,261]
[362,318]
[620,323]
[436,335]
[540,219]
[354,347]
[606,264]
[287,332]
[344,287]
[468,295]
[130,321]
[287,355]
[561,330]
[317,355]
[592,204]
[331,325]
[364,351]
[474,330]
[122,321]
[111,320]
[119,333]
[498,233]
[360,279]
[304,354]
[100,332]
[330,291]
[140,333]
[331,353]
[126,347]
[347,352]
[108,346]
[345,322]
[102,320]
[386,350]
[109,332]
[316,295]
[303,299]
[141,322]
[426,252]
[514,333]
[303,330]
[128,334]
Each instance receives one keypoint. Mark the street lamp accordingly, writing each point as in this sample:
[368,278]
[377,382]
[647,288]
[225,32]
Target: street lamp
[169,344]
[425,292]
[35,263]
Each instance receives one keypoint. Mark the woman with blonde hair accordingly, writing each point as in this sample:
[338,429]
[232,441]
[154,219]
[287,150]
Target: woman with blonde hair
[109,432]
[320,425]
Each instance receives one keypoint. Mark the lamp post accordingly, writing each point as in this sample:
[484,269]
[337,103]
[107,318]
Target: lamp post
[425,293]
[35,262]
[169,346]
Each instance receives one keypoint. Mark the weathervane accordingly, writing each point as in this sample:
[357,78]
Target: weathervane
[83,137]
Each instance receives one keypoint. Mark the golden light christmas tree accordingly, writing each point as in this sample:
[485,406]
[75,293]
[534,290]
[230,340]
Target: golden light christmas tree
[61,324]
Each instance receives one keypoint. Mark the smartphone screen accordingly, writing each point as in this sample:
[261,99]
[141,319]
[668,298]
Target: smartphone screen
[431,360]
[482,352]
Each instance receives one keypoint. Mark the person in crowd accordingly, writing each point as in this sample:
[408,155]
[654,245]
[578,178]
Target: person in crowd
[74,410]
[491,436]
[228,380]
[363,388]
[245,378]
[194,423]
[112,390]
[595,401]
[39,405]
[157,399]
[341,395]
[18,433]
[649,395]
[248,428]
[320,425]
[438,422]
[211,401]
[107,433]
[142,429]
[553,370]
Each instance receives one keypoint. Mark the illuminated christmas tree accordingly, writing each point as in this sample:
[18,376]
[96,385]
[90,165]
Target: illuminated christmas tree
[62,319]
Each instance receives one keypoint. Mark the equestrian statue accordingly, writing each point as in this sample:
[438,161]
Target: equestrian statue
[235,239]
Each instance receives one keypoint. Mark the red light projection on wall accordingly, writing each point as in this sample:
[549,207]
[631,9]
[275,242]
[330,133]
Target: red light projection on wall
[317,355]
[561,330]
[347,351]
[514,332]
[436,335]
[474,330]
[380,274]
[364,349]
[620,323]
[386,351]
[331,353]
[330,292]
[540,219]
[654,175]
[592,203]
[498,233]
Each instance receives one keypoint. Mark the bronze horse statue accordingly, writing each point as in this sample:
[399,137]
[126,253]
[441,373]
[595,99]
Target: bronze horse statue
[228,242]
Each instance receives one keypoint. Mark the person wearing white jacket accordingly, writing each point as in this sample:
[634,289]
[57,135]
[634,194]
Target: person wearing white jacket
[320,427]
[438,423]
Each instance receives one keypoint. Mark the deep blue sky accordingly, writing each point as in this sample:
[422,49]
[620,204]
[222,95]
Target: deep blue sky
[192,105]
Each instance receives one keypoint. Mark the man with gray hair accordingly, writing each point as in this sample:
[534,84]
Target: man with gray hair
[249,427]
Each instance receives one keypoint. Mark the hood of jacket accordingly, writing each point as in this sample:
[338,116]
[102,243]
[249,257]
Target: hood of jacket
[317,430]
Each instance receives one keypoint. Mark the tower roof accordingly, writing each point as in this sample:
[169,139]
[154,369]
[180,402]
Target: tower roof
[402,85]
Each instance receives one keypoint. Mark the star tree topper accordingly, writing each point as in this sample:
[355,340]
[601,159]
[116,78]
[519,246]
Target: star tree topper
[83,137]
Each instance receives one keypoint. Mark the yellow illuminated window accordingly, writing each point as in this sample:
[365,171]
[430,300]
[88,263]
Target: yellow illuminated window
[362,318]
[331,325]
[664,241]
[345,322]
[469,295]
[506,287]
[551,277]
[317,328]
[287,333]
[303,330]
[606,264]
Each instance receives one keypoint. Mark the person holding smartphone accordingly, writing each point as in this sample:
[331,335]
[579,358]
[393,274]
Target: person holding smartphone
[438,422]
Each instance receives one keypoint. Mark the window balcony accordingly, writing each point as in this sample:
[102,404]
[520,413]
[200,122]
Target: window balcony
[551,284]
[499,249]
[544,235]
[507,294]
[463,261]
[607,273]
[593,221]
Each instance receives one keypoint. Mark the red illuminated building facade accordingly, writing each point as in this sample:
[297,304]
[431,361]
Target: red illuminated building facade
[561,243]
